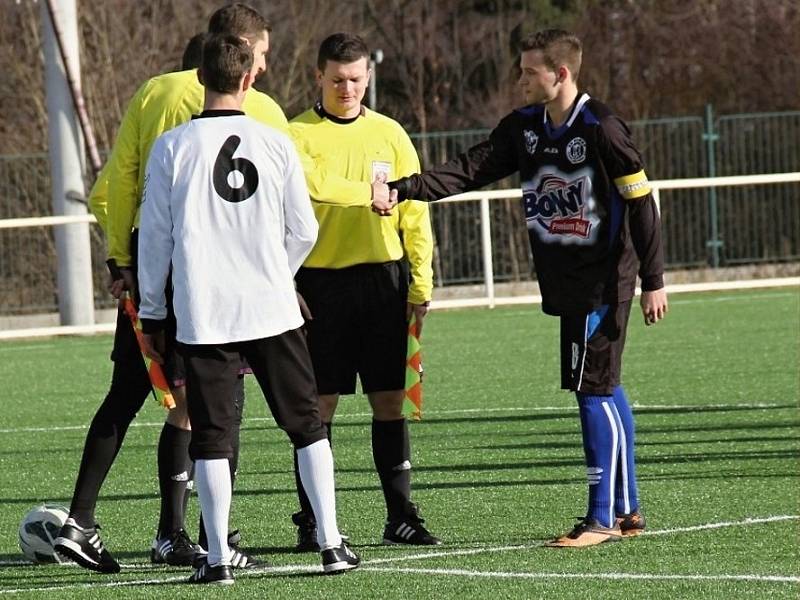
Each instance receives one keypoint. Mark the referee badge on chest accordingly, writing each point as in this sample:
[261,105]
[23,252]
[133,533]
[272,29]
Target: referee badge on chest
[381,171]
[531,140]
[576,150]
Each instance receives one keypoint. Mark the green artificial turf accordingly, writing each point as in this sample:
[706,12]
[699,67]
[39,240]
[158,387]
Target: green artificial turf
[498,466]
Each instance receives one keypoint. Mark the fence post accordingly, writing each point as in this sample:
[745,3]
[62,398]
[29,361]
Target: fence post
[657,198]
[711,137]
[486,245]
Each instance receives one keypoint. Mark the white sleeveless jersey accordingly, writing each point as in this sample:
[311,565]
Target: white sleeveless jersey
[226,204]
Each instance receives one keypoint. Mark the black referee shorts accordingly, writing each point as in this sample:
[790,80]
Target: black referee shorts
[591,349]
[126,349]
[359,326]
[283,369]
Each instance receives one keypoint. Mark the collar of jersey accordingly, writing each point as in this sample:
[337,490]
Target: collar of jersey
[556,133]
[219,112]
[324,114]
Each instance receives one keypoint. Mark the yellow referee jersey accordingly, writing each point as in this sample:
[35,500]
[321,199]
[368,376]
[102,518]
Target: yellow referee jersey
[160,104]
[349,235]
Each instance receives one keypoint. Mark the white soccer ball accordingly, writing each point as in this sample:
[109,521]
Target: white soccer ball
[38,532]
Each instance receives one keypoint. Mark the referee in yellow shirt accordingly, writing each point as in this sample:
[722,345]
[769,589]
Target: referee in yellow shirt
[160,104]
[356,280]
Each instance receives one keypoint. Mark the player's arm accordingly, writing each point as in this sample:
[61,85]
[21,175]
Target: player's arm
[417,235]
[481,165]
[325,184]
[98,199]
[155,240]
[123,184]
[624,164]
[300,224]
[98,204]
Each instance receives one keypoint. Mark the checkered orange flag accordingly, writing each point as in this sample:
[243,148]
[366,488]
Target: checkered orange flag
[157,379]
[412,405]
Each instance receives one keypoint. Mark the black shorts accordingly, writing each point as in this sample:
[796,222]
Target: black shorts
[591,349]
[126,347]
[283,369]
[358,327]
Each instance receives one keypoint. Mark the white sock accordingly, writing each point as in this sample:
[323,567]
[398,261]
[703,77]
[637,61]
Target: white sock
[315,463]
[213,480]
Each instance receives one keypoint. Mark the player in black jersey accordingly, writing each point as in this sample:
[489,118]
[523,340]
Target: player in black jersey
[591,221]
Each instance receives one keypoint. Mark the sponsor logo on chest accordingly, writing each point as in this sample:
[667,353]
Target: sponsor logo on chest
[560,207]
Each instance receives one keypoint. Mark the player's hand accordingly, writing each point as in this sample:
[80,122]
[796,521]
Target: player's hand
[654,306]
[419,311]
[154,345]
[383,199]
[304,310]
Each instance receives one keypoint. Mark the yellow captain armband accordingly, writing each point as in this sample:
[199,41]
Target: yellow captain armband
[633,186]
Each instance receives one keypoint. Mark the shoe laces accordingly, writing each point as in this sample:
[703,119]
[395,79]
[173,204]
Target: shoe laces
[581,526]
[180,539]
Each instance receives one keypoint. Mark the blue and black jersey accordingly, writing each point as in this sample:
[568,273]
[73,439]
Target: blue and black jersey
[586,200]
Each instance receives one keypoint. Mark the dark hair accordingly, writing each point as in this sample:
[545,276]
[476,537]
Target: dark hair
[225,59]
[558,47]
[342,48]
[193,54]
[240,20]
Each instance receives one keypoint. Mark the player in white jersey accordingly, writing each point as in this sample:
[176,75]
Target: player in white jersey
[225,202]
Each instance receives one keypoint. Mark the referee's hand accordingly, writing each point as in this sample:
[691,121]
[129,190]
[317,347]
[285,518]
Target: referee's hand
[419,311]
[127,282]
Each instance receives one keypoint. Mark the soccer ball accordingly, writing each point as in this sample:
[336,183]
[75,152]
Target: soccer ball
[38,532]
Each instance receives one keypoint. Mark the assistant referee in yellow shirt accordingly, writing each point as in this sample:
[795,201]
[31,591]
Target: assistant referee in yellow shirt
[356,280]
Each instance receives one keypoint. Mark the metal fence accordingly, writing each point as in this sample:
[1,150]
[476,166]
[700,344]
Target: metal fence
[27,256]
[702,227]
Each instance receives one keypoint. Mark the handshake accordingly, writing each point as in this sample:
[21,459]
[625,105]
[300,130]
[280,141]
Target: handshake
[383,199]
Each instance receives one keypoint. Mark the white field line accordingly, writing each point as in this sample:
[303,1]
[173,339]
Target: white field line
[372,564]
[481,301]
[730,298]
[712,286]
[431,413]
[723,524]
[536,544]
[607,576]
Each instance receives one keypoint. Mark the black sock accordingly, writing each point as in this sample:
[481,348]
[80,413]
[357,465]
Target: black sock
[129,389]
[174,466]
[238,399]
[102,444]
[188,493]
[391,452]
[305,503]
